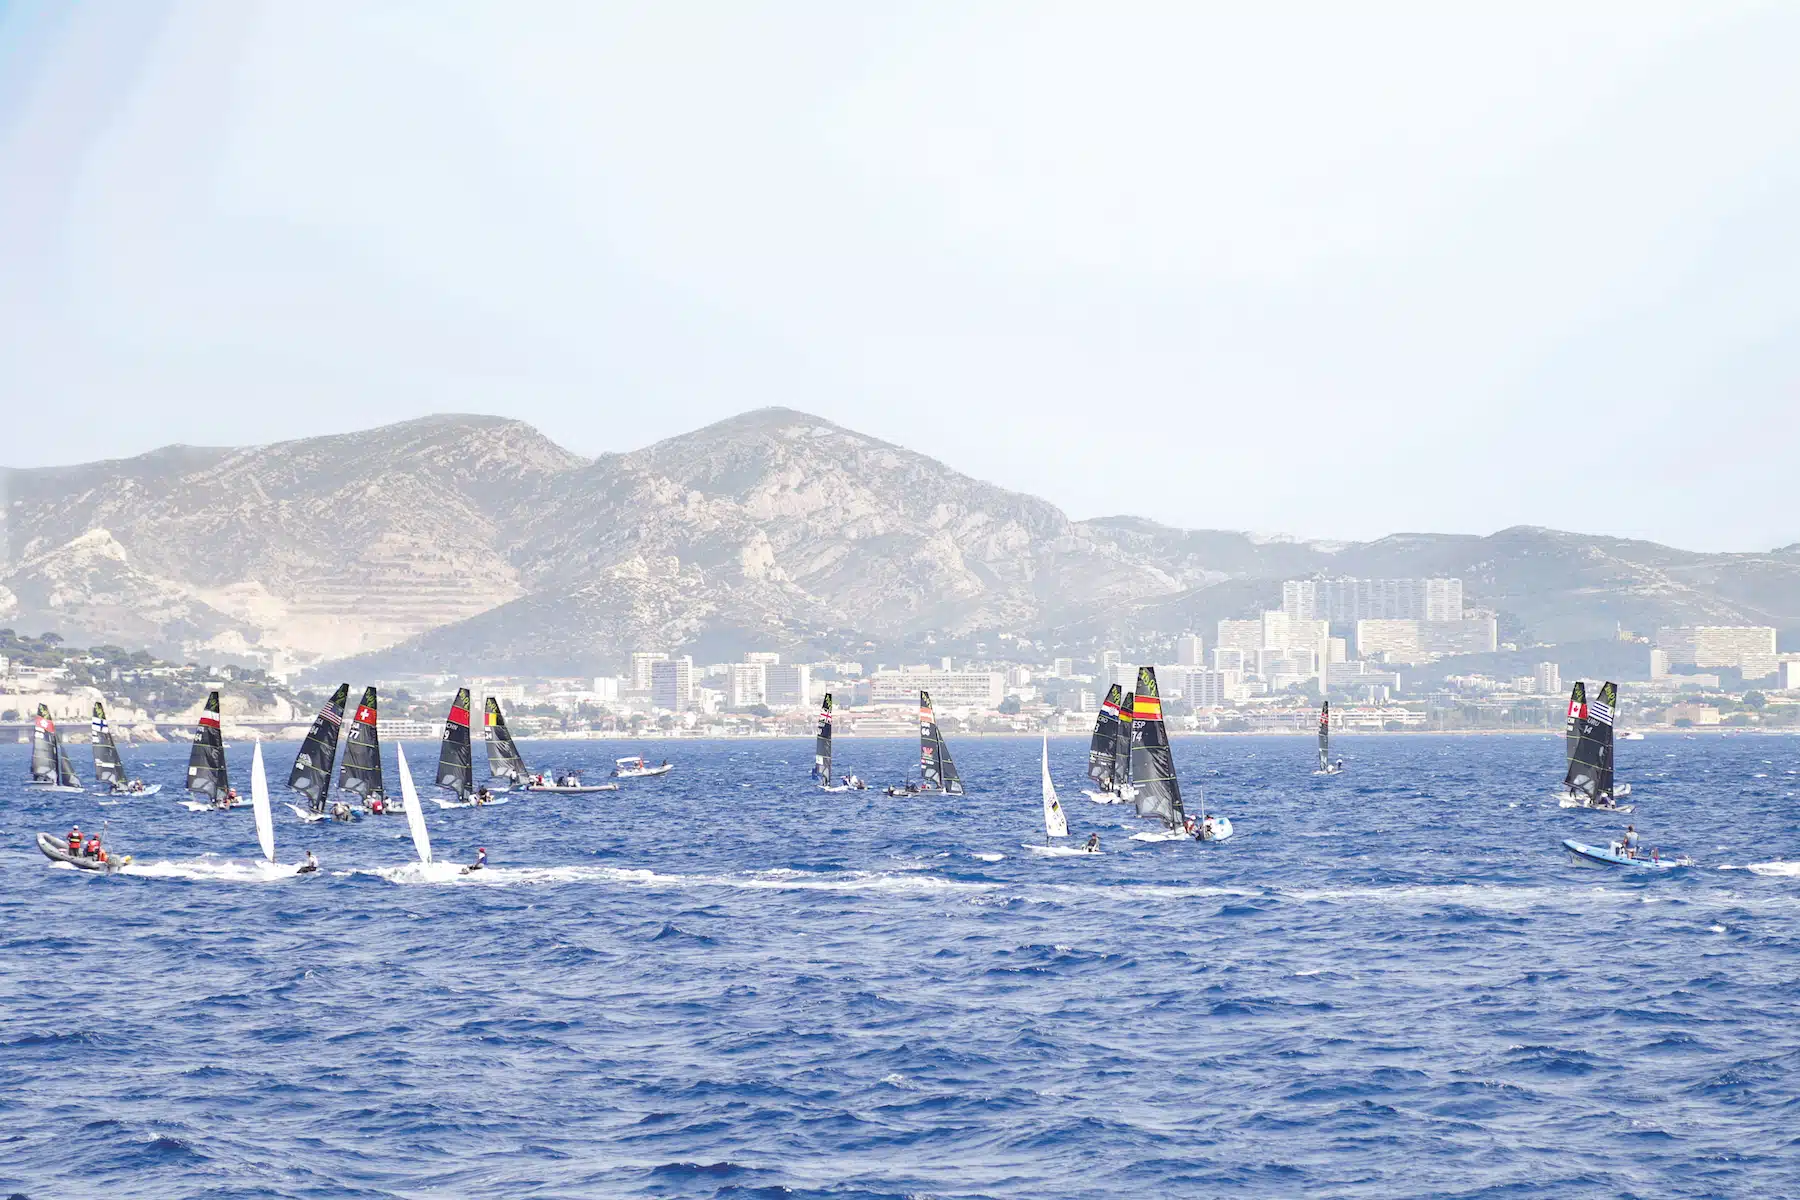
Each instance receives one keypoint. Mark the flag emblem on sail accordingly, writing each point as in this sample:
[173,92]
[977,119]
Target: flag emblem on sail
[1601,711]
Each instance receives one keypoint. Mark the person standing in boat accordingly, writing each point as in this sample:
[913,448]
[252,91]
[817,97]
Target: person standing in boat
[1630,844]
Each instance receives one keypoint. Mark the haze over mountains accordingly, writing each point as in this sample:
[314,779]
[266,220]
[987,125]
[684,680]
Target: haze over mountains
[475,544]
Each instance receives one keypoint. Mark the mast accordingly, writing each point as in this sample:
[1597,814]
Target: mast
[504,759]
[1056,823]
[206,761]
[455,766]
[935,767]
[1102,750]
[44,747]
[311,776]
[1325,736]
[1591,761]
[361,773]
[1152,762]
[107,767]
[822,745]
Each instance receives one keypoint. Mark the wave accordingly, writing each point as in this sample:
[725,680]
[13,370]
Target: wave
[211,869]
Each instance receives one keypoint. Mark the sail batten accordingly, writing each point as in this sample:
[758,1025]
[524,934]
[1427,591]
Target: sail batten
[1103,750]
[1157,793]
[206,761]
[455,769]
[360,774]
[504,759]
[109,769]
[935,766]
[311,776]
[822,745]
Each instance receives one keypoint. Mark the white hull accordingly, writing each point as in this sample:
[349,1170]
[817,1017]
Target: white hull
[208,806]
[441,803]
[643,772]
[54,787]
[1104,797]
[1570,802]
[1043,851]
[579,790]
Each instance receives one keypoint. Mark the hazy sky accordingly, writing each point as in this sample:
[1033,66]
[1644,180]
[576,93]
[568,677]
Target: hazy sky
[1336,270]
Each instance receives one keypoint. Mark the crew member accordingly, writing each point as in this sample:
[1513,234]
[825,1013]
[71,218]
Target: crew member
[309,866]
[480,858]
[1631,841]
[75,840]
[1093,843]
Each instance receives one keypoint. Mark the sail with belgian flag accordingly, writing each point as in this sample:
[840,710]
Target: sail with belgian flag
[504,760]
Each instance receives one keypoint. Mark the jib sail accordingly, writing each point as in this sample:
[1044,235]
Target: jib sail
[1152,764]
[311,776]
[938,772]
[822,745]
[361,773]
[504,759]
[455,767]
[108,769]
[1591,757]
[1103,750]
[206,761]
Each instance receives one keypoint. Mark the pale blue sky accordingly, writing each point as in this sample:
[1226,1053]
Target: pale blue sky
[1335,270]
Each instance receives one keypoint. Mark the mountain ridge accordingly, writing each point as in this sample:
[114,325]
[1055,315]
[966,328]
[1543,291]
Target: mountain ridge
[474,542]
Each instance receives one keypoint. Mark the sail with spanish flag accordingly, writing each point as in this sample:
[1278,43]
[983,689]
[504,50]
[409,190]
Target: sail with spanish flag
[1157,793]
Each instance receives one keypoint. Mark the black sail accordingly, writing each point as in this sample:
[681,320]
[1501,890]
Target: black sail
[361,773]
[1325,735]
[1152,763]
[504,759]
[206,761]
[1591,759]
[1122,746]
[935,767]
[1103,750]
[65,769]
[311,776]
[1572,730]
[108,769]
[45,747]
[822,745]
[455,766]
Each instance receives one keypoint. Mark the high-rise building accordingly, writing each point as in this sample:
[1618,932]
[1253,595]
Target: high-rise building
[1063,668]
[1749,648]
[767,658]
[1123,674]
[748,684]
[641,661]
[606,688]
[1547,679]
[672,683]
[1209,689]
[1188,650]
[1108,659]
[1349,600]
[787,685]
[1246,636]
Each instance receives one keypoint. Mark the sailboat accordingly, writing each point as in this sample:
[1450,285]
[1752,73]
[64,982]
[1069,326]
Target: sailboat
[206,763]
[109,769]
[1156,792]
[51,770]
[822,752]
[504,760]
[1326,766]
[311,776]
[456,766]
[1589,746]
[360,774]
[265,820]
[937,771]
[1103,751]
[1056,822]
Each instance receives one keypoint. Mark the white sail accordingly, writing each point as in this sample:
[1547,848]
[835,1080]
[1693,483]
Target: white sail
[1055,824]
[415,814]
[259,804]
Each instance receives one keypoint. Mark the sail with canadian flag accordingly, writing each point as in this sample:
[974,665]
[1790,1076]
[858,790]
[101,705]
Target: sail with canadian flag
[1591,743]
[455,770]
[361,772]
[206,761]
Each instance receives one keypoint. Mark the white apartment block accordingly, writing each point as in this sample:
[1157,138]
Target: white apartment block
[641,661]
[747,684]
[1348,600]
[1188,650]
[672,683]
[1546,679]
[1749,648]
[787,686]
[949,689]
[1246,636]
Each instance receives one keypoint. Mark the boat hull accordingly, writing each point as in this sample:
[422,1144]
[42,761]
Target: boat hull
[580,790]
[58,851]
[37,786]
[1567,802]
[643,772]
[1583,855]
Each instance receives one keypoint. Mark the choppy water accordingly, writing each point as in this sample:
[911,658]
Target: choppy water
[725,984]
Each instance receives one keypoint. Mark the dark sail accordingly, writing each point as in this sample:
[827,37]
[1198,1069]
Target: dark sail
[504,759]
[1122,746]
[1102,751]
[1325,735]
[361,773]
[935,767]
[822,745]
[206,762]
[107,767]
[45,745]
[66,769]
[1591,760]
[455,766]
[311,776]
[1152,764]
[1572,730]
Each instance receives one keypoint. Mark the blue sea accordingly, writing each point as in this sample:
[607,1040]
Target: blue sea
[724,983]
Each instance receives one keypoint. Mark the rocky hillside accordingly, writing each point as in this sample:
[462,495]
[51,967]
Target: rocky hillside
[474,543]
